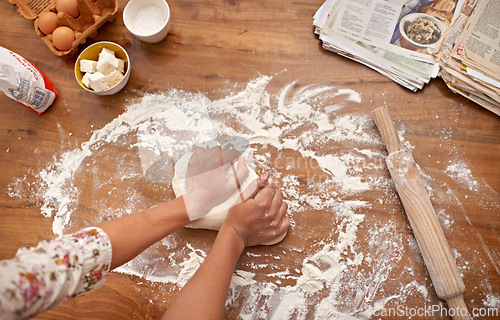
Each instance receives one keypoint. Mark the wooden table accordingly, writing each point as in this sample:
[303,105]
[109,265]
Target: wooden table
[218,44]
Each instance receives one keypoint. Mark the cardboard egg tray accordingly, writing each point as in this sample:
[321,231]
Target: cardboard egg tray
[93,14]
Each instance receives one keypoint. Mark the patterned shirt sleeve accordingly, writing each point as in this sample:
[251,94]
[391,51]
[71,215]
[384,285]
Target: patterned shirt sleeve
[43,277]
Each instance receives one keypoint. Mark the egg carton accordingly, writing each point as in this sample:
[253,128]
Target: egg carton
[93,14]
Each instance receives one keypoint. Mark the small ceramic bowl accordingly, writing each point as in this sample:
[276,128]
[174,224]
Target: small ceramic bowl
[92,53]
[412,17]
[147,20]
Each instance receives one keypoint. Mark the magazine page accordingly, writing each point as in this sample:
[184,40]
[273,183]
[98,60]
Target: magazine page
[447,42]
[414,86]
[414,71]
[405,27]
[417,73]
[411,69]
[470,91]
[322,14]
[481,41]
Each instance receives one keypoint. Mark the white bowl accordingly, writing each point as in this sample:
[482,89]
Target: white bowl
[92,53]
[147,20]
[412,17]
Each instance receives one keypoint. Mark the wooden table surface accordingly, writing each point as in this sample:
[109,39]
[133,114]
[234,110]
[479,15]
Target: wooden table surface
[213,47]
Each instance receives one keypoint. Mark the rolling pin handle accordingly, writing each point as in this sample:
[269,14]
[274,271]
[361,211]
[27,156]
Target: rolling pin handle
[457,308]
[387,130]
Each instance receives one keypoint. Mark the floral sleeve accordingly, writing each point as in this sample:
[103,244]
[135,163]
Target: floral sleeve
[43,277]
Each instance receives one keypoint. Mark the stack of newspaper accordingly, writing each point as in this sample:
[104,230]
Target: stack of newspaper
[413,41]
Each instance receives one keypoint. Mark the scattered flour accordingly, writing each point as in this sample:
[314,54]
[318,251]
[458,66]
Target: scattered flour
[492,301]
[337,159]
[458,170]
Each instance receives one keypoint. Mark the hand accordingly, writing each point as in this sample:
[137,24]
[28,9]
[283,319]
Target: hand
[210,179]
[259,219]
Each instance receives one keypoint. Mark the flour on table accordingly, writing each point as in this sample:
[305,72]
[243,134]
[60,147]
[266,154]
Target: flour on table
[338,160]
[458,170]
[492,301]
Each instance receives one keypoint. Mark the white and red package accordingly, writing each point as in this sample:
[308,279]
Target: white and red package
[24,82]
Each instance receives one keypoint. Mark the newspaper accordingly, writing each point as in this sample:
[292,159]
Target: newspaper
[469,54]
[413,41]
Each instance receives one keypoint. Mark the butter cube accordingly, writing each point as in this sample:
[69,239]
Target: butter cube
[106,51]
[113,78]
[86,80]
[106,64]
[88,65]
[97,81]
[121,65]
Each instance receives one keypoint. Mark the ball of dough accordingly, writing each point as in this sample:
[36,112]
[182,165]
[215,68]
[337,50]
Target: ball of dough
[216,217]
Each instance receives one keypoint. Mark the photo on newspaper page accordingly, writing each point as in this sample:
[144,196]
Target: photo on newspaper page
[410,28]
[422,23]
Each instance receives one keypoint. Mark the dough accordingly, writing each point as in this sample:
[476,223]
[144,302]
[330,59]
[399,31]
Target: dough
[216,217]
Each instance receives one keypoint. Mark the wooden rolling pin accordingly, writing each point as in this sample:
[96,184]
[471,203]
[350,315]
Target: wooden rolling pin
[424,223]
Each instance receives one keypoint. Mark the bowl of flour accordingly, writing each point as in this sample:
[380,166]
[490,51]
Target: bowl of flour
[147,20]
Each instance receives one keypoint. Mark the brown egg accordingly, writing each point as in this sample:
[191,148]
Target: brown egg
[47,22]
[63,38]
[68,6]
